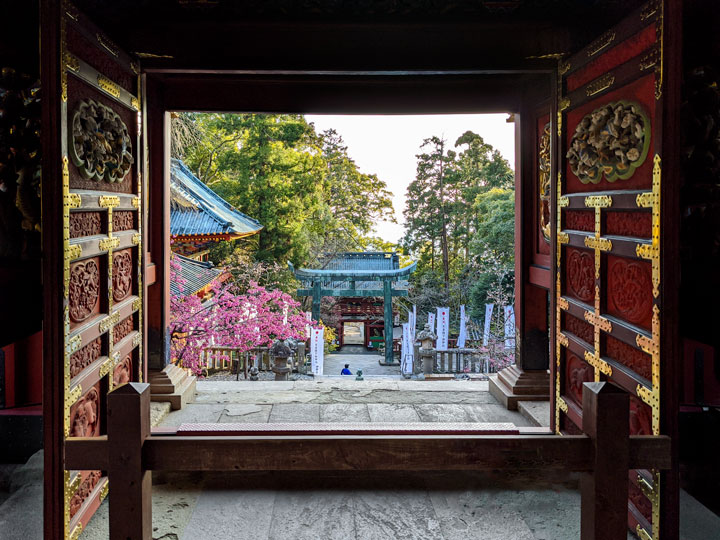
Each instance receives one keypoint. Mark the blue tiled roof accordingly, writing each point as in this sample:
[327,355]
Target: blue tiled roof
[367,261]
[197,275]
[363,260]
[202,211]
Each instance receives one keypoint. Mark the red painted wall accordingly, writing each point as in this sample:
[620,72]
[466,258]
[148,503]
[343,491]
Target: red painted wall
[23,372]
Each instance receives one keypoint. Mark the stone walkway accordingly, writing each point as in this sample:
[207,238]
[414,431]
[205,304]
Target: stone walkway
[343,399]
[368,362]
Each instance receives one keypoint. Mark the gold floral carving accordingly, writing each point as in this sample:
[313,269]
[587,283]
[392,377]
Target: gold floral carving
[544,181]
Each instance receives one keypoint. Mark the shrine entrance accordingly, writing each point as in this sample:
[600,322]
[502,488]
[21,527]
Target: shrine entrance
[353,333]
[597,176]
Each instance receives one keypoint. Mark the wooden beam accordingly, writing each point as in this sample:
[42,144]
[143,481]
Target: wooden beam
[604,492]
[343,452]
[352,293]
[128,414]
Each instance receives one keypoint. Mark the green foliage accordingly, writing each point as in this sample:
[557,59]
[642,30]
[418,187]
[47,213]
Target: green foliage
[460,217]
[302,186]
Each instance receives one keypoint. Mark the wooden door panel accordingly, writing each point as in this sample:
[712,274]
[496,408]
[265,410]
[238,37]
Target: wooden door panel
[102,242]
[608,235]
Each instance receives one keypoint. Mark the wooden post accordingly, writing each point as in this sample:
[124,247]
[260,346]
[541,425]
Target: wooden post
[387,304]
[128,418]
[605,491]
[316,300]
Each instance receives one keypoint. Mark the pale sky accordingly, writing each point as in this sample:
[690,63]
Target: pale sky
[386,145]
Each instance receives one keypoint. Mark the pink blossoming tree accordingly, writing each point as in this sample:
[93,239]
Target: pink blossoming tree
[255,318]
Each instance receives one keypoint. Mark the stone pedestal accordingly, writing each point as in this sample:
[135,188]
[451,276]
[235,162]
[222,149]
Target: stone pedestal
[172,384]
[512,384]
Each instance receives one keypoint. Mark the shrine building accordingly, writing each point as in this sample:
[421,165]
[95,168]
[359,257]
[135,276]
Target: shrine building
[364,284]
[199,217]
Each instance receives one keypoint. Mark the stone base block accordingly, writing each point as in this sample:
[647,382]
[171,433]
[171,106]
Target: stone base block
[512,384]
[173,385]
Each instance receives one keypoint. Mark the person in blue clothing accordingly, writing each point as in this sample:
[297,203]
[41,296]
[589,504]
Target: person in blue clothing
[346,370]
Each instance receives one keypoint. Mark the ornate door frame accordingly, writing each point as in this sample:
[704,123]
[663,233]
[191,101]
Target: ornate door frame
[94,260]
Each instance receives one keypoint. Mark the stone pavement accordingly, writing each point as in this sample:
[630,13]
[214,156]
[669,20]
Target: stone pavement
[368,362]
[336,399]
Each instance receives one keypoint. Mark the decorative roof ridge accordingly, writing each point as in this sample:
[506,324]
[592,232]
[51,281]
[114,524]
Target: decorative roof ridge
[175,162]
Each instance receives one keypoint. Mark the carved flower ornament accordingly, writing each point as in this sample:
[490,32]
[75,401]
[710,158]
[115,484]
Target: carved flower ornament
[612,140]
[100,144]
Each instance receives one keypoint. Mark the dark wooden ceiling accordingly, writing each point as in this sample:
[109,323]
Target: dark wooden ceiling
[352,35]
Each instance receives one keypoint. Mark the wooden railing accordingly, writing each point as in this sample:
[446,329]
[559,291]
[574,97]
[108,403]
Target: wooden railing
[605,453]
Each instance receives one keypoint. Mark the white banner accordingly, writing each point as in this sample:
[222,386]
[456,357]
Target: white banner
[317,350]
[308,318]
[462,336]
[285,313]
[486,329]
[509,327]
[406,353]
[431,321]
[443,328]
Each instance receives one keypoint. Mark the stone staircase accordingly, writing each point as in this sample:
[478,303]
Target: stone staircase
[172,384]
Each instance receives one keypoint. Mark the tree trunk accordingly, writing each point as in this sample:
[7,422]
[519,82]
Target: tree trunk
[443,236]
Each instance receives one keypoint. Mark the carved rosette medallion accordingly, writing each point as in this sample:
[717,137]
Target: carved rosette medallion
[611,141]
[85,224]
[84,289]
[577,372]
[580,273]
[122,274]
[85,356]
[544,181]
[123,220]
[630,290]
[100,144]
[85,414]
[123,371]
[84,491]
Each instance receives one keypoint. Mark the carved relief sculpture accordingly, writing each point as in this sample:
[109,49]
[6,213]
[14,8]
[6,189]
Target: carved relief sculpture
[630,290]
[123,221]
[580,220]
[629,356]
[629,224]
[85,415]
[85,224]
[100,144]
[580,328]
[84,491]
[122,329]
[612,140]
[544,181]
[123,371]
[580,272]
[122,274]
[84,357]
[577,372]
[84,289]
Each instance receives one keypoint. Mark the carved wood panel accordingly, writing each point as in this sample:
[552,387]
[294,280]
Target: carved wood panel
[122,275]
[85,224]
[84,289]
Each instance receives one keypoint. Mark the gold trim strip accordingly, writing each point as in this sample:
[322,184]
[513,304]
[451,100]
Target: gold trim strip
[601,365]
[76,532]
[74,251]
[136,202]
[598,320]
[562,405]
[136,239]
[108,86]
[597,86]
[108,201]
[563,104]
[108,322]
[71,397]
[137,340]
[601,43]
[107,44]
[598,201]
[563,68]
[74,200]
[137,303]
[71,62]
[74,344]
[602,244]
[563,303]
[106,244]
[104,491]
[106,367]
[642,533]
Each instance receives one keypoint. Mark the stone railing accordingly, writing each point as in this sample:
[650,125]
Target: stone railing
[465,360]
[228,358]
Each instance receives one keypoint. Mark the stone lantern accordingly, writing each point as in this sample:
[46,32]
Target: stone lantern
[280,353]
[427,353]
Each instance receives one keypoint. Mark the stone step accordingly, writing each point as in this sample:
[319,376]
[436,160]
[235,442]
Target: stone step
[537,412]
